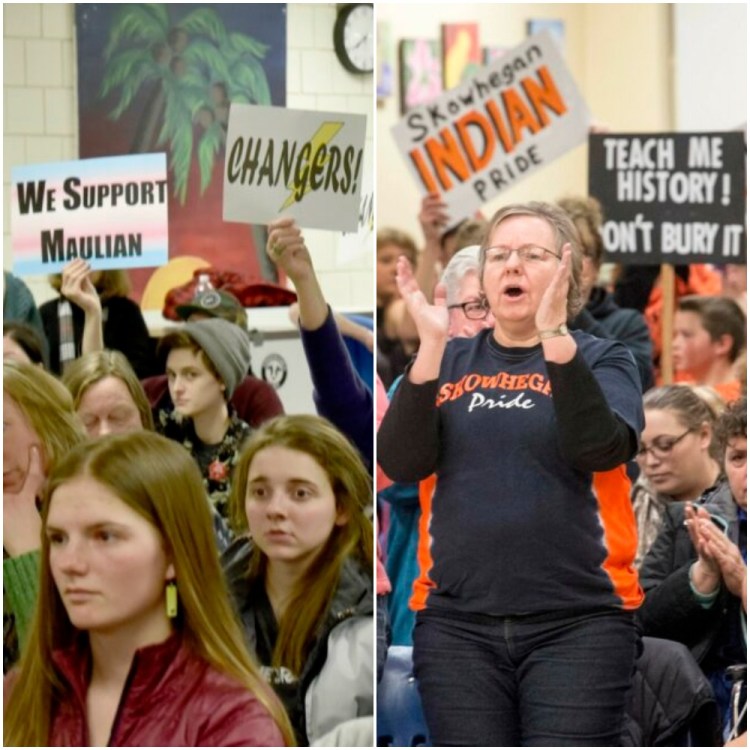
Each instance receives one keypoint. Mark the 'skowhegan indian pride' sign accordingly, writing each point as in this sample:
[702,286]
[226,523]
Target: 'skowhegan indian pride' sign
[509,120]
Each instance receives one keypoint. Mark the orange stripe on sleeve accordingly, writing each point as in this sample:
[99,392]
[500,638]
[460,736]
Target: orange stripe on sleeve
[423,583]
[612,492]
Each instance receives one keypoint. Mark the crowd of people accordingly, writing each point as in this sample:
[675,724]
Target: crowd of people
[553,518]
[558,515]
[183,563]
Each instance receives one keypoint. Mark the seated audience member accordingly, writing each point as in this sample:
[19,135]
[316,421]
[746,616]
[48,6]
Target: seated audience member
[340,394]
[23,343]
[109,399]
[107,395]
[396,335]
[135,644]
[676,459]
[39,427]
[302,578]
[253,399]
[602,316]
[695,575]
[94,312]
[709,336]
[696,278]
[467,315]
[205,361]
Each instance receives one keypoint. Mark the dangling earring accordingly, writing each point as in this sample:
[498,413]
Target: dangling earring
[171,596]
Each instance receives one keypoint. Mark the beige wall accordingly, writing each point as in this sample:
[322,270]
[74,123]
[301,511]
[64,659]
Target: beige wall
[41,116]
[619,55]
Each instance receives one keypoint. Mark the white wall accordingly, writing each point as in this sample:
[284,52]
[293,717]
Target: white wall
[619,56]
[41,114]
[710,66]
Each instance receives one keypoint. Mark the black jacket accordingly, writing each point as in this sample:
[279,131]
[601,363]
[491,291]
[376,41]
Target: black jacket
[670,609]
[603,317]
[671,700]
[123,327]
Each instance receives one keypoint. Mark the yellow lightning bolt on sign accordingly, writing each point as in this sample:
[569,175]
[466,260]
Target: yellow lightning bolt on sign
[323,135]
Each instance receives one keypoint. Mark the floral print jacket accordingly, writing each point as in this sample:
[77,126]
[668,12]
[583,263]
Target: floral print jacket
[216,462]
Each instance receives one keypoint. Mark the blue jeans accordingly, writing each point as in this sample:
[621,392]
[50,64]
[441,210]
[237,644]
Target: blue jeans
[525,681]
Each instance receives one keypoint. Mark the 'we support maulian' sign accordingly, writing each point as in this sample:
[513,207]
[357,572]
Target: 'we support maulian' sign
[298,163]
[111,212]
[509,120]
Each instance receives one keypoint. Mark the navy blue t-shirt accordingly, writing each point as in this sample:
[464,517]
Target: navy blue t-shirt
[515,528]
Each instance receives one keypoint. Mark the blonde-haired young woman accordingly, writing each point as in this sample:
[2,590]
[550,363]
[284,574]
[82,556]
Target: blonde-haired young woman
[134,641]
[39,427]
[303,585]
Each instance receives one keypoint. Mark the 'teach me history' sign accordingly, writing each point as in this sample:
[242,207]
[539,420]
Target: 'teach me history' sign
[110,212]
[670,198]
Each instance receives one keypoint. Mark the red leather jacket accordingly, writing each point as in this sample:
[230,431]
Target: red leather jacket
[172,698]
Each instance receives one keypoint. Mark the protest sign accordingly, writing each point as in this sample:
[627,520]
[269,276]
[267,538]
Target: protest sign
[286,162]
[505,122]
[670,198]
[111,212]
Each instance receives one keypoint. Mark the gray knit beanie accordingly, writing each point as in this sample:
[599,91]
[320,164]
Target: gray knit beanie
[226,345]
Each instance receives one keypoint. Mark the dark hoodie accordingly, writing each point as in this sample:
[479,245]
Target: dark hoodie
[603,317]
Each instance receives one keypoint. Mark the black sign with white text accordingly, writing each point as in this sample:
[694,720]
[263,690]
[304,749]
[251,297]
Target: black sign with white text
[670,198]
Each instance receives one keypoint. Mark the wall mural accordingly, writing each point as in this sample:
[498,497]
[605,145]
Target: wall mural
[159,78]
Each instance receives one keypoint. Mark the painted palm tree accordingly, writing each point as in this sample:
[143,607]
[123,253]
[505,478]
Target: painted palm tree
[191,69]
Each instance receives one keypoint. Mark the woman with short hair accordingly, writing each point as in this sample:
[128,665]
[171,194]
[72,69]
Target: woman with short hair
[525,633]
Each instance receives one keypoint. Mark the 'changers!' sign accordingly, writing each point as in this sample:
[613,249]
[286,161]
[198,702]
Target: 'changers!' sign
[671,197]
[286,162]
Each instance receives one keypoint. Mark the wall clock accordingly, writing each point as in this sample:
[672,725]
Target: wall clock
[354,36]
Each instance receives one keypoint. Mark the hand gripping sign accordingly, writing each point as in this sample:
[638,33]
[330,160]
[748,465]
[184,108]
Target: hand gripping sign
[303,164]
[509,120]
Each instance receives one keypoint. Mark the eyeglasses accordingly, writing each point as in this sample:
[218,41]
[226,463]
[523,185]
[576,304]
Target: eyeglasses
[662,445]
[473,309]
[526,254]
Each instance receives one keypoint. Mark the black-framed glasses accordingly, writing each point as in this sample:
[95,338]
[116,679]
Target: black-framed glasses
[662,445]
[526,254]
[474,309]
